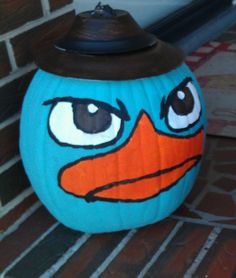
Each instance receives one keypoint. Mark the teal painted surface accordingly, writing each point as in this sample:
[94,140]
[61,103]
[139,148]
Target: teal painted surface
[43,157]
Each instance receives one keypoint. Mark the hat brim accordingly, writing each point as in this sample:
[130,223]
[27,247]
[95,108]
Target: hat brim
[152,61]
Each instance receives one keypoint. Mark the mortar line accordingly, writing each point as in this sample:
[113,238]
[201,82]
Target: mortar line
[203,252]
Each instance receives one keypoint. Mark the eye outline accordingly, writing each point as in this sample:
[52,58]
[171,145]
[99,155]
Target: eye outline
[121,113]
[166,104]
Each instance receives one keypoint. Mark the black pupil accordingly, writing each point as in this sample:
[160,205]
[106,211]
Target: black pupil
[183,102]
[91,118]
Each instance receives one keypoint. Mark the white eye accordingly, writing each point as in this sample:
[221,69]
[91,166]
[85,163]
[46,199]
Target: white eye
[183,108]
[83,124]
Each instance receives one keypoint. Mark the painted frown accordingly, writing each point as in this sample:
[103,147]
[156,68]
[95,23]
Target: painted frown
[112,155]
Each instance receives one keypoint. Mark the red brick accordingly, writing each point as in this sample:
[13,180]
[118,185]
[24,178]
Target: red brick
[226,143]
[16,212]
[180,252]
[228,222]
[226,184]
[225,155]
[14,13]
[4,60]
[11,95]
[91,255]
[35,41]
[12,182]
[221,259]
[46,253]
[205,166]
[218,204]
[139,250]
[210,144]
[9,137]
[184,211]
[199,185]
[229,168]
[13,245]
[56,4]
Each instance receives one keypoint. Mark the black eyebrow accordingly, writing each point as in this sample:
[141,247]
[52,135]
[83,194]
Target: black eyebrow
[122,112]
[181,85]
[165,101]
[123,109]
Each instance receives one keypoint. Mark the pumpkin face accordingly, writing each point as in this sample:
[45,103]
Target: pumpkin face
[112,155]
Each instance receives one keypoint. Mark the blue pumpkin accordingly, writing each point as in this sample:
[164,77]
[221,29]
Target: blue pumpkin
[112,155]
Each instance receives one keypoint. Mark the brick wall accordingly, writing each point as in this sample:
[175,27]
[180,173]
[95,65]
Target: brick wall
[24,24]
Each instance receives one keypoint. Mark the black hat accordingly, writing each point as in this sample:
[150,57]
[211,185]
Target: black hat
[108,44]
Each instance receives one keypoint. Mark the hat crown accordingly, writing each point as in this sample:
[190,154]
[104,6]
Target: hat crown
[105,31]
[107,44]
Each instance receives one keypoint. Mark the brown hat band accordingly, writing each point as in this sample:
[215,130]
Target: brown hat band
[108,47]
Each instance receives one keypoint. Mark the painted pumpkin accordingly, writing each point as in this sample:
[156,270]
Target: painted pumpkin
[108,155]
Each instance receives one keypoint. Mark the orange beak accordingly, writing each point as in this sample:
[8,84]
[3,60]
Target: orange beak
[148,163]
